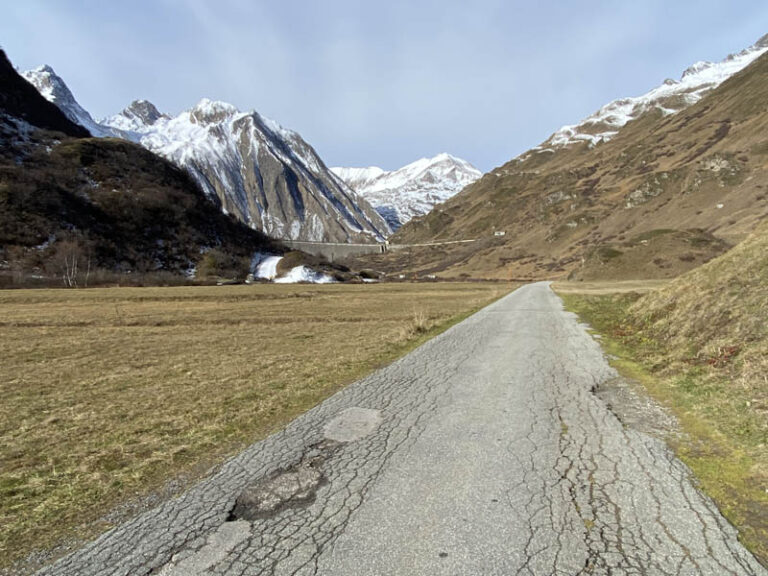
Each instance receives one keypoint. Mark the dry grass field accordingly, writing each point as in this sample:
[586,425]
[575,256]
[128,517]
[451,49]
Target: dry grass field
[109,393]
[606,287]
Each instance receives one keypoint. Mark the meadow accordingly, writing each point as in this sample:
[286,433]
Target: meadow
[114,398]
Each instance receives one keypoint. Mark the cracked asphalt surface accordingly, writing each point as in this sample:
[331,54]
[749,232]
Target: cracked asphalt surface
[483,452]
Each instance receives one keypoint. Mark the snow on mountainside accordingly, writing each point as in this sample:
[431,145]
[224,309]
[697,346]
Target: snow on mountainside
[261,173]
[412,190]
[53,89]
[672,96]
[135,119]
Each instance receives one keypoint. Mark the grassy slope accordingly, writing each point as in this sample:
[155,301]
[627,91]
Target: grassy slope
[109,392]
[662,253]
[719,307]
[700,345]
[660,172]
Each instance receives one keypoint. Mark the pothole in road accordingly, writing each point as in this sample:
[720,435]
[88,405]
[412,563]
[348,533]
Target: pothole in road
[298,485]
[288,488]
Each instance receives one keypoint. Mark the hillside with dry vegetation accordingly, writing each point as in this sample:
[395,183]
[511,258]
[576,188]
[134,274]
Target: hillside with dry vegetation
[666,194]
[716,314]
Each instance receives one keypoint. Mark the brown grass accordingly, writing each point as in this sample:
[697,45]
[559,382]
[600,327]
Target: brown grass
[108,393]
[604,287]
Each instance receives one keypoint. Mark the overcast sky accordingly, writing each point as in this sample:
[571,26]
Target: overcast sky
[379,83]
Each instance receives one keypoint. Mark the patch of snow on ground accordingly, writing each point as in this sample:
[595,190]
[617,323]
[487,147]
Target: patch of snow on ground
[267,267]
[304,274]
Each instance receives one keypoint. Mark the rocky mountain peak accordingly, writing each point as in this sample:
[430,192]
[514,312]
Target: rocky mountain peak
[212,111]
[445,157]
[144,110]
[412,190]
[49,84]
[53,88]
[696,68]
[20,101]
[134,119]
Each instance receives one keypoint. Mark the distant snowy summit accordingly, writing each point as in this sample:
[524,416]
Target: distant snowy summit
[413,190]
[670,97]
[254,169]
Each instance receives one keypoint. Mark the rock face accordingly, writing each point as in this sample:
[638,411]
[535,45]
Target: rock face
[413,190]
[263,174]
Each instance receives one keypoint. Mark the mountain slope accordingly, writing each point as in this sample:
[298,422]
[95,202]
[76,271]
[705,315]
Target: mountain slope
[699,173]
[266,176]
[413,190]
[718,305]
[670,97]
[73,207]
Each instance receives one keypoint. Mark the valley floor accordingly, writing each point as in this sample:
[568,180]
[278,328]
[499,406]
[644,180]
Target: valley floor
[492,449]
[109,393]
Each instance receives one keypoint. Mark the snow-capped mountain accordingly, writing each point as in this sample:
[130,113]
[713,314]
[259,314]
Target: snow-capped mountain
[670,97]
[412,190]
[135,119]
[261,173]
[53,89]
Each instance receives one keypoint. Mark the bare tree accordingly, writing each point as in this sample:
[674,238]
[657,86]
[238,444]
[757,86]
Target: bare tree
[70,270]
[88,268]
[68,255]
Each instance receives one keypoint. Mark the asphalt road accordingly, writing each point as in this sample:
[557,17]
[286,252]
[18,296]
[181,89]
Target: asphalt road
[483,452]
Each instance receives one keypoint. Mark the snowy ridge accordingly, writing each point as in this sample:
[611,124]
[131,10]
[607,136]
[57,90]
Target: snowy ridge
[135,118]
[215,142]
[256,170]
[53,89]
[359,178]
[413,190]
[670,97]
